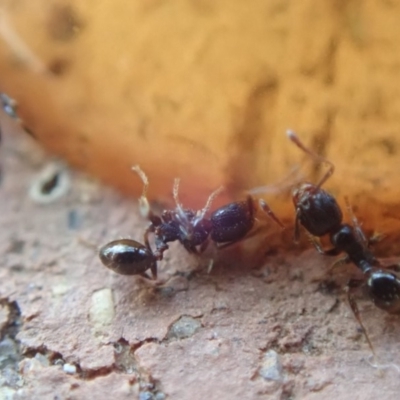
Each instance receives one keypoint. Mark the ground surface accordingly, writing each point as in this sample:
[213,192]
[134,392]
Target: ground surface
[71,329]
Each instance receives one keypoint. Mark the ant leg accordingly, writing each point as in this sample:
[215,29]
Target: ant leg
[292,178]
[191,249]
[341,261]
[157,255]
[296,140]
[376,238]
[210,266]
[204,245]
[161,246]
[266,208]
[316,243]
[144,275]
[87,243]
[366,242]
[150,229]
[353,285]
[357,226]
[296,236]
[153,270]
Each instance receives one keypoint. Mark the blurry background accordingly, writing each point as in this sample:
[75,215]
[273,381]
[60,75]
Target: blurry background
[205,90]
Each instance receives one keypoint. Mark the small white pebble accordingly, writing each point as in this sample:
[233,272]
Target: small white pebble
[69,368]
[60,289]
[271,368]
[102,308]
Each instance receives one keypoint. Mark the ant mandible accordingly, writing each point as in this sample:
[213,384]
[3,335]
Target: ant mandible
[319,213]
[227,225]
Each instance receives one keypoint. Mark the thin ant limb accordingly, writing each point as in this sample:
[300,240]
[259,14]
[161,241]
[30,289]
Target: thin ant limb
[292,178]
[266,208]
[351,286]
[144,205]
[181,215]
[175,192]
[383,366]
[317,244]
[338,263]
[376,238]
[296,235]
[357,226]
[295,139]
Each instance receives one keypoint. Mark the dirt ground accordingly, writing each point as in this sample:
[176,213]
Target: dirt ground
[71,329]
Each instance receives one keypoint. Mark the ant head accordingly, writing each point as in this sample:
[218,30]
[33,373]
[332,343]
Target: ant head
[384,289]
[316,209]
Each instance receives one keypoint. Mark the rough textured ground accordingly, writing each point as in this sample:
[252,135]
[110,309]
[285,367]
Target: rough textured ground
[71,329]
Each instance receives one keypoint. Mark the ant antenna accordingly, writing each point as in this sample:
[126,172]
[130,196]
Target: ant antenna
[181,215]
[175,194]
[144,205]
[296,140]
[210,199]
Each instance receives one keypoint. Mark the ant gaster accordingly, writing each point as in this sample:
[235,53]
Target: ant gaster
[319,213]
[193,229]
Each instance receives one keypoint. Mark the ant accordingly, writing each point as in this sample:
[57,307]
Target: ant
[225,226]
[319,213]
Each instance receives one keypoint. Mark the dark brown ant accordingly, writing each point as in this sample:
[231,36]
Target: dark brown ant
[319,213]
[227,225]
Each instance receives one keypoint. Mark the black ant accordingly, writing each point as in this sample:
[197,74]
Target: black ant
[320,215]
[225,226]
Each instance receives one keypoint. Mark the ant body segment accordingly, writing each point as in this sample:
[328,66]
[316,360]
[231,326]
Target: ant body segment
[193,229]
[319,213]
[128,257]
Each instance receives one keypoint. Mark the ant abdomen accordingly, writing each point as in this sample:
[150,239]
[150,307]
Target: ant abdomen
[384,289]
[232,222]
[127,257]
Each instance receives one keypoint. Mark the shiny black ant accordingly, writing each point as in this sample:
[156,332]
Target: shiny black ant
[319,213]
[225,226]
